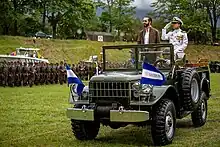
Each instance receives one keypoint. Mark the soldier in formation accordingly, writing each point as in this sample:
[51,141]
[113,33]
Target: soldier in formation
[29,74]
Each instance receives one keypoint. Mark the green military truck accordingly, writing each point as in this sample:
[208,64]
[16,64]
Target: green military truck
[116,98]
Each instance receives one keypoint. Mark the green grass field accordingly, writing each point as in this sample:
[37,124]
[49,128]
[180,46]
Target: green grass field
[36,117]
[74,51]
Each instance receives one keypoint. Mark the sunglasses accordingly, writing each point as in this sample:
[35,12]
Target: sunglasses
[174,22]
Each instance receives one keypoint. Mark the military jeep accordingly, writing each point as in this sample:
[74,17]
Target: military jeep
[116,98]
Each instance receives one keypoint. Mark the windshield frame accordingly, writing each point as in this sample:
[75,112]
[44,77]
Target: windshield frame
[136,48]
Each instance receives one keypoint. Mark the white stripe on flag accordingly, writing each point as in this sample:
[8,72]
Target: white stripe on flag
[70,73]
[151,75]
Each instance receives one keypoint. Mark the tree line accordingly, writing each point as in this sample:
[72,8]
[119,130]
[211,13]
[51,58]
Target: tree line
[62,18]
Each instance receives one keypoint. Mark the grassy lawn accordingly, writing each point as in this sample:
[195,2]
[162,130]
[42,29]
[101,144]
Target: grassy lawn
[36,117]
[74,51]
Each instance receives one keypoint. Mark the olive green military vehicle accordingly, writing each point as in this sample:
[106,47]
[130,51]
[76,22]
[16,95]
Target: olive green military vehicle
[116,98]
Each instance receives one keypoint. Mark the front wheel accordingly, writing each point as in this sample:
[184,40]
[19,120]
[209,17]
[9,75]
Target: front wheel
[85,130]
[200,114]
[163,122]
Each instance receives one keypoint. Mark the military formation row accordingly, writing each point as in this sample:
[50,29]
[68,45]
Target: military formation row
[18,74]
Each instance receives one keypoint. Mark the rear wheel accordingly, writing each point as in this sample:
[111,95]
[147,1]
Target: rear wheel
[200,114]
[85,130]
[163,122]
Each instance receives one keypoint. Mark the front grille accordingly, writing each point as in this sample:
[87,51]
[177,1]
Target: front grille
[109,89]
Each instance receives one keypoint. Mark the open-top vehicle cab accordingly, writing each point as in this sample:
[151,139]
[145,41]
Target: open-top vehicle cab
[116,98]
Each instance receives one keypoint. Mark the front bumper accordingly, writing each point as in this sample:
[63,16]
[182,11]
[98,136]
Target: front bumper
[130,116]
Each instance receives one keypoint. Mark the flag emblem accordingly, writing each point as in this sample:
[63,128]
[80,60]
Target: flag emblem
[73,79]
[151,75]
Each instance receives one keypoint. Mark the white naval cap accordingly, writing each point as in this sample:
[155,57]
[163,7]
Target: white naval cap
[176,19]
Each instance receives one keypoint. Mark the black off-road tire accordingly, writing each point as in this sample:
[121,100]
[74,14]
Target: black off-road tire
[199,116]
[190,103]
[85,130]
[160,118]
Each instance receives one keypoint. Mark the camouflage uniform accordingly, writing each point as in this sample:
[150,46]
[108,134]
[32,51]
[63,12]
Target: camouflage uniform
[61,73]
[56,73]
[18,73]
[47,74]
[52,73]
[1,73]
[5,74]
[37,73]
[65,73]
[25,70]
[31,74]
[11,75]
[42,77]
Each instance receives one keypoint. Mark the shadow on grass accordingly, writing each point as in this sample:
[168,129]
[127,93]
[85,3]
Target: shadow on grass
[130,135]
[186,123]
[135,136]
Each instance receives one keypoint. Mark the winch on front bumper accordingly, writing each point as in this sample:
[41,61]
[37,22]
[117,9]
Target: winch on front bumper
[120,115]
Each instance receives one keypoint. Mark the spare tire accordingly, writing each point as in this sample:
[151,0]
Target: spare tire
[191,91]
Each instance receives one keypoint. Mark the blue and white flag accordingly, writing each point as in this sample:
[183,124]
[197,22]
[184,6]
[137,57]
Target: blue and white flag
[151,75]
[73,79]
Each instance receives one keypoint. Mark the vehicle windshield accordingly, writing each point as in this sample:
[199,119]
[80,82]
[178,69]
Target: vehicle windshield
[133,58]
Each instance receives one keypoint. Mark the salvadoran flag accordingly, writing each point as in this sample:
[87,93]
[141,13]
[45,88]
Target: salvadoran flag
[151,75]
[73,79]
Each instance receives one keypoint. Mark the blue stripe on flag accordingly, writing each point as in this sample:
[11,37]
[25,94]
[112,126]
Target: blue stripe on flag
[73,79]
[151,75]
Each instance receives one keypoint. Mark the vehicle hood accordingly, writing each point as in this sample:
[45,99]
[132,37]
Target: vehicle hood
[118,76]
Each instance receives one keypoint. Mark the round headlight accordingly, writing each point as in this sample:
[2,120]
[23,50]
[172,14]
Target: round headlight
[147,88]
[136,86]
[84,95]
[136,94]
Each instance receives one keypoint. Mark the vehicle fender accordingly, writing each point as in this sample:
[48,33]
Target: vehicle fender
[205,86]
[166,91]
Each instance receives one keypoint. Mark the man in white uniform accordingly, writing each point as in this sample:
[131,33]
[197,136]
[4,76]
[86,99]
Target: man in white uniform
[177,37]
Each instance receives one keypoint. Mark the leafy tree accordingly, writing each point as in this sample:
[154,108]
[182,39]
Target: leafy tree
[198,15]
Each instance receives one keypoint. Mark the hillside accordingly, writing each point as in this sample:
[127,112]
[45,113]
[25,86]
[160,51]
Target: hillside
[77,50]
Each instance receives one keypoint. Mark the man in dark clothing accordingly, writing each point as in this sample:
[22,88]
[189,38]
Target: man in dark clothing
[148,35]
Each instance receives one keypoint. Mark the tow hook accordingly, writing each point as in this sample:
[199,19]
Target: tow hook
[84,108]
[121,109]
